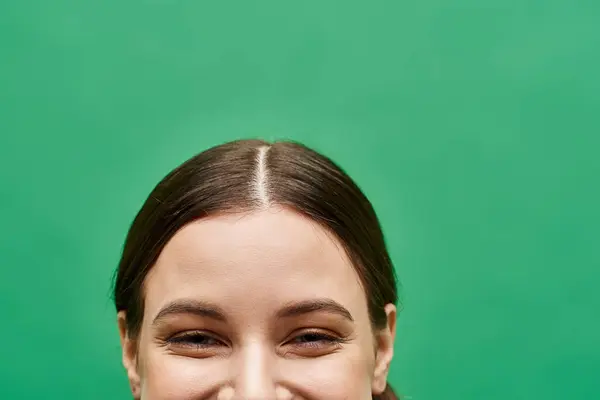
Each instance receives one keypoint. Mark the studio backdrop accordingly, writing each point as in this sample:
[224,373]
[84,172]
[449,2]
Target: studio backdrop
[473,126]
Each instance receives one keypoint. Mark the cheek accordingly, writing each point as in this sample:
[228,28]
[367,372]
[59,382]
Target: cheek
[165,376]
[343,375]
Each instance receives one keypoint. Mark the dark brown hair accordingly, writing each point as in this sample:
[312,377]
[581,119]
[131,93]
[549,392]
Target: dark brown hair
[223,179]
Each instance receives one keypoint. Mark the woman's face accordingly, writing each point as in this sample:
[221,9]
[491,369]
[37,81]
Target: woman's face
[264,305]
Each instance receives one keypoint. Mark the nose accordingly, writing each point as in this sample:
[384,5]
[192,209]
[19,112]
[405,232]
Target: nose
[255,376]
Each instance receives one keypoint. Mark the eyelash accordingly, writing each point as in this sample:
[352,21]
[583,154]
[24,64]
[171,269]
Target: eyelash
[320,340]
[189,339]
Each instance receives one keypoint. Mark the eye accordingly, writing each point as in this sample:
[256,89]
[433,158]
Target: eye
[313,338]
[195,340]
[315,343]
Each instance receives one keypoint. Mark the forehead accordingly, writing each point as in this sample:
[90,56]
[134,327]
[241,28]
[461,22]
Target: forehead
[263,258]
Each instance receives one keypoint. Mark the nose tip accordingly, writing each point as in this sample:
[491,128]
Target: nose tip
[226,393]
[229,393]
[282,393]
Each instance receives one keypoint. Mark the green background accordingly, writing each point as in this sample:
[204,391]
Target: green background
[472,125]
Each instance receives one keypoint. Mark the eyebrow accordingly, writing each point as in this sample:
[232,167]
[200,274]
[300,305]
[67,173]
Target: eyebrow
[193,307]
[312,306]
[209,310]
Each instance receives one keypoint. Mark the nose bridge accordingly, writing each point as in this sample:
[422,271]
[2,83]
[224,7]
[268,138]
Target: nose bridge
[255,379]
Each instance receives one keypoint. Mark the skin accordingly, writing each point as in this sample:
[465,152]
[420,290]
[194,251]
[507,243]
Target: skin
[264,305]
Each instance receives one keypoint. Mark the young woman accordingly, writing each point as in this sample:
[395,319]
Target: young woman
[256,271]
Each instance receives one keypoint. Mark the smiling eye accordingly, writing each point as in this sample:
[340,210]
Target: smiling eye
[197,340]
[314,337]
[314,344]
